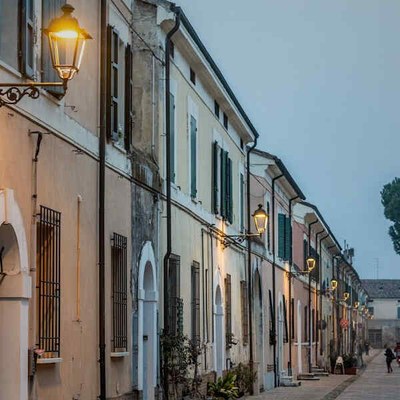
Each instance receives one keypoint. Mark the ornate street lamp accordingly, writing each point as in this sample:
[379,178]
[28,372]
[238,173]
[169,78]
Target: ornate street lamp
[356,304]
[334,284]
[311,262]
[67,44]
[260,221]
[346,295]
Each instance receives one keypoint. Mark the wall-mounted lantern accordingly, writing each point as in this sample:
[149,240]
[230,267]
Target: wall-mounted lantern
[346,296]
[67,45]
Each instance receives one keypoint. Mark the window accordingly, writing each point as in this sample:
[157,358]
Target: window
[9,32]
[119,292]
[228,311]
[216,109]
[306,327]
[285,319]
[27,38]
[371,311]
[48,253]
[222,166]
[284,237]
[50,10]
[292,334]
[272,338]
[119,90]
[193,156]
[241,144]
[192,76]
[268,229]
[175,303]
[398,312]
[196,303]
[245,311]
[225,121]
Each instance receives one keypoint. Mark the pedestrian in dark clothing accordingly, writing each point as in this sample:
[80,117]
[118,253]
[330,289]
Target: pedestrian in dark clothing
[366,345]
[389,358]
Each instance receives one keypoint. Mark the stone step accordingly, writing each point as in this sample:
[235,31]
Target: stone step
[307,377]
[287,381]
[321,373]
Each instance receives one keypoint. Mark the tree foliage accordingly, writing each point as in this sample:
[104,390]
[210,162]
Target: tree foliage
[390,197]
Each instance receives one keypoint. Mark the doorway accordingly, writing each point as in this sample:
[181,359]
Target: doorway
[219,332]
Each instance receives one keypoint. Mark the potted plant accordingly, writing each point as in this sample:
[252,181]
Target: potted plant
[224,388]
[350,364]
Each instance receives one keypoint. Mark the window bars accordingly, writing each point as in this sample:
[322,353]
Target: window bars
[48,281]
[119,292]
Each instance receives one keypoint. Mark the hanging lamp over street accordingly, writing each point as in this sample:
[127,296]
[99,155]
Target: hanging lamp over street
[310,263]
[260,219]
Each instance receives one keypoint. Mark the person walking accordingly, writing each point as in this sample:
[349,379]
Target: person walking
[389,358]
[366,346]
[397,352]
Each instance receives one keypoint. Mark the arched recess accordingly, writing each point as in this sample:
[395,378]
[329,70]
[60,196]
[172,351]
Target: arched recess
[299,338]
[259,327]
[219,330]
[15,292]
[147,322]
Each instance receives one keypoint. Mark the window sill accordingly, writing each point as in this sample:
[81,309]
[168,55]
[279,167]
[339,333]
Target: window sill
[55,360]
[119,147]
[119,354]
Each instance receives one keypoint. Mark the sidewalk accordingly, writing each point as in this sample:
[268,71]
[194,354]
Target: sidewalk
[327,388]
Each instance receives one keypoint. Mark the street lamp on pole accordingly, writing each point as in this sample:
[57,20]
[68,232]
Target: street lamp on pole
[67,45]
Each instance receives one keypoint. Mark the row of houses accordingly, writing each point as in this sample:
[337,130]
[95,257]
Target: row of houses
[126,219]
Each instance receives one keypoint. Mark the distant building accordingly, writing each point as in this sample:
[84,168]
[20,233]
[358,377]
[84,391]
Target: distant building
[384,308]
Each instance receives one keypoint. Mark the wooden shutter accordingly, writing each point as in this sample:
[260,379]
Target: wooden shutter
[285,318]
[288,239]
[305,254]
[229,197]
[223,183]
[215,180]
[172,135]
[193,156]
[281,235]
[245,311]
[241,182]
[113,83]
[305,323]
[173,293]
[292,318]
[50,10]
[228,310]
[272,339]
[128,97]
[196,302]
[27,38]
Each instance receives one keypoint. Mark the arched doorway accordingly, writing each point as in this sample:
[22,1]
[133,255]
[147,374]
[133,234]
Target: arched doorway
[15,291]
[147,323]
[299,339]
[259,329]
[219,337]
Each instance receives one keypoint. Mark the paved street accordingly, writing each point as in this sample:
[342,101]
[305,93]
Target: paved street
[374,383]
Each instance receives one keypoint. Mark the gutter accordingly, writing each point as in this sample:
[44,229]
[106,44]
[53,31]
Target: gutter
[249,274]
[273,275]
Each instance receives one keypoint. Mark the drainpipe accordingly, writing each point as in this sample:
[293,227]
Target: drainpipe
[102,170]
[273,275]
[168,174]
[320,295]
[290,287]
[309,300]
[250,286]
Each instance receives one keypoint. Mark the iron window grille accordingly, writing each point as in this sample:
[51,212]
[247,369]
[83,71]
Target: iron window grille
[228,311]
[119,292]
[175,303]
[245,311]
[48,281]
[195,303]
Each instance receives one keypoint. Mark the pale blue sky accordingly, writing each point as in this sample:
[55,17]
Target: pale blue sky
[320,81]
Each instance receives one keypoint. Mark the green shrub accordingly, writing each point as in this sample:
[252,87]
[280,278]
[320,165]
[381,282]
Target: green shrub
[224,388]
[244,378]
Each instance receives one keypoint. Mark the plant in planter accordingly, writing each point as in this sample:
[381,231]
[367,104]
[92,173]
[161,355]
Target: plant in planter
[245,378]
[350,364]
[224,388]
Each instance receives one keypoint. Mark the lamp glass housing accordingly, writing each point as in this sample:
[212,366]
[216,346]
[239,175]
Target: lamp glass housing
[260,219]
[346,295]
[310,263]
[67,43]
[334,284]
[356,304]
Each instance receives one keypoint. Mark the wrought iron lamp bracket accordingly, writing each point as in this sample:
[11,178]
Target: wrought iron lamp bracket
[12,93]
[228,240]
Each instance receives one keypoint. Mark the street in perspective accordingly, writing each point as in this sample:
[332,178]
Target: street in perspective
[199,200]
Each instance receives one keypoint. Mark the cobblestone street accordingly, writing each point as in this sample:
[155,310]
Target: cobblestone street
[373,383]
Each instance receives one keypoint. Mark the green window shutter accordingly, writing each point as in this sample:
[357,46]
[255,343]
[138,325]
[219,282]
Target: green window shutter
[128,98]
[214,183]
[281,235]
[50,10]
[223,184]
[305,254]
[172,135]
[193,155]
[288,239]
[229,197]
[27,38]
[115,97]
[241,202]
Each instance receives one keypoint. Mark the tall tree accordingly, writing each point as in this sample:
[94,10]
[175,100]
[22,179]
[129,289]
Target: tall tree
[390,197]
